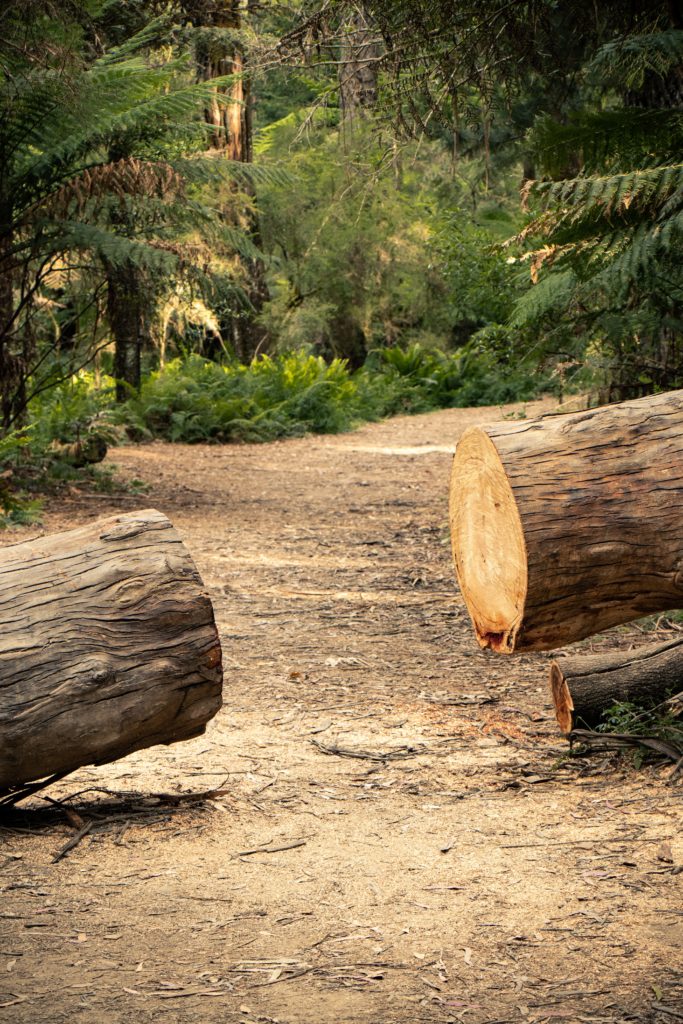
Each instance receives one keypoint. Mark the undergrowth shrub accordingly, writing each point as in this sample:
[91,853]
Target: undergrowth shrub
[36,460]
[655,721]
[287,395]
[291,394]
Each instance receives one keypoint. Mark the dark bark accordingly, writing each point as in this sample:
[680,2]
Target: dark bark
[10,362]
[128,304]
[585,687]
[347,340]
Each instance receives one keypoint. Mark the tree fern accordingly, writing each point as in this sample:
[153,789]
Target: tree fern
[606,244]
[67,203]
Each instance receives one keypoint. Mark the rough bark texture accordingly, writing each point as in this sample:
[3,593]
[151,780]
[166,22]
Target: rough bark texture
[108,644]
[358,68]
[584,687]
[567,525]
[128,310]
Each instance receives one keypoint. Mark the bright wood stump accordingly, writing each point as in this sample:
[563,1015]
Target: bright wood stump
[566,525]
[108,644]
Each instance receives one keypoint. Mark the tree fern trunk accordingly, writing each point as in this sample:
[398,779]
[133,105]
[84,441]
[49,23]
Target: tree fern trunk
[7,375]
[127,311]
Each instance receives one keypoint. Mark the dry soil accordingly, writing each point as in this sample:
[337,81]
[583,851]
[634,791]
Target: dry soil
[382,824]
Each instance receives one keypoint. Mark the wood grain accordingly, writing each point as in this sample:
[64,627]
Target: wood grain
[566,525]
[107,644]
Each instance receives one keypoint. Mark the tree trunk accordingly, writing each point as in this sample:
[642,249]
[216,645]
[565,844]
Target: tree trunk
[233,134]
[567,525]
[358,69]
[108,645]
[128,305]
[584,687]
[10,365]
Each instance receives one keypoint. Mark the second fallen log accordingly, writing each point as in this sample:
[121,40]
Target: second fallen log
[584,687]
[564,526]
[108,645]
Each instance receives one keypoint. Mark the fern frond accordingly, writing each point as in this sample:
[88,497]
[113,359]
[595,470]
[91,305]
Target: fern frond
[127,177]
[552,293]
[113,248]
[628,60]
[149,37]
[595,201]
[615,139]
[214,168]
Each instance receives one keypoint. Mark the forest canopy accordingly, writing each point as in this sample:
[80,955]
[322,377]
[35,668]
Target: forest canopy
[244,220]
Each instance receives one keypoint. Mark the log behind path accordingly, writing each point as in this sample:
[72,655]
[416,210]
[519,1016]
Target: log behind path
[567,525]
[584,686]
[107,644]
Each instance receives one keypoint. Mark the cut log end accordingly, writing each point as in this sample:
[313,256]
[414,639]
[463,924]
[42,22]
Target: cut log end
[562,699]
[584,687]
[488,542]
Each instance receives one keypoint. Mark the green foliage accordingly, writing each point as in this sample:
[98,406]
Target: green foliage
[16,508]
[284,396]
[481,282]
[352,245]
[33,460]
[195,400]
[89,186]
[659,722]
[76,409]
[608,241]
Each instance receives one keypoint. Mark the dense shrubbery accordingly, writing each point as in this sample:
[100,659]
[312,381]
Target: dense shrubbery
[194,400]
[297,393]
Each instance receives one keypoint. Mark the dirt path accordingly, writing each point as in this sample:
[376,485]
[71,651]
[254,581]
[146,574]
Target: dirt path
[454,869]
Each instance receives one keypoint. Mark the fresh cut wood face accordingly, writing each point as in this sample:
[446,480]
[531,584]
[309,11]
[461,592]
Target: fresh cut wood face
[488,541]
[598,499]
[107,644]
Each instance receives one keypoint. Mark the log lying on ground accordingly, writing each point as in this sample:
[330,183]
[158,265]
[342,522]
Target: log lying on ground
[107,644]
[584,687]
[564,526]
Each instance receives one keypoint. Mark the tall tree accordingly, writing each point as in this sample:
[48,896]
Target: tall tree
[221,50]
[358,63]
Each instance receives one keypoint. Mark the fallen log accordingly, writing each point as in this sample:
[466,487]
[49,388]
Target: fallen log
[583,687]
[567,525]
[108,644]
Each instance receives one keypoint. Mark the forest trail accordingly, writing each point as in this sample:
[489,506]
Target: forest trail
[425,853]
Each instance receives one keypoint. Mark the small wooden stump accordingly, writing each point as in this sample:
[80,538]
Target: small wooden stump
[108,644]
[584,687]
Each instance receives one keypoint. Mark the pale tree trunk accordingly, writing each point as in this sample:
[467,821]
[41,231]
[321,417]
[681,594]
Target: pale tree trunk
[358,69]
